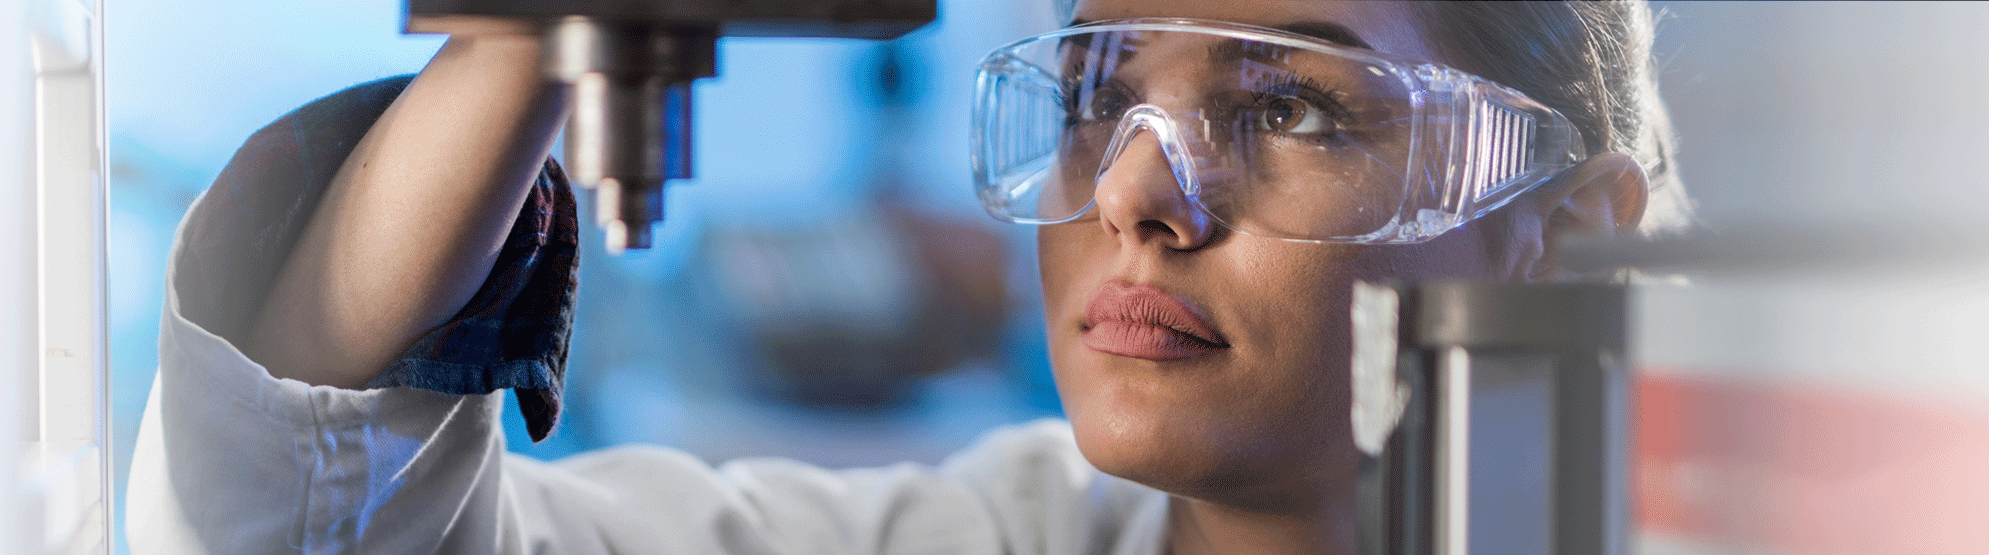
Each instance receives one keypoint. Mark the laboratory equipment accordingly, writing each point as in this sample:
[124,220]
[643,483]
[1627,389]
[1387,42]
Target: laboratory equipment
[630,66]
[1492,419]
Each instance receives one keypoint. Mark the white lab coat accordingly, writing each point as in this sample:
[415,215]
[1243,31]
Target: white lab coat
[232,461]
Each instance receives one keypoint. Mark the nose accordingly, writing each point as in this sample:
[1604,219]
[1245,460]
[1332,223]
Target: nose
[1140,201]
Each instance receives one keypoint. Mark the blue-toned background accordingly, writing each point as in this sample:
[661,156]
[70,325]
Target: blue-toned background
[832,176]
[1845,121]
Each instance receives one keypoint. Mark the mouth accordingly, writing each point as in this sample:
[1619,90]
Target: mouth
[1144,322]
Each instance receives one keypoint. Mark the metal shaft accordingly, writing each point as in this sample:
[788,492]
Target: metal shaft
[630,129]
[629,65]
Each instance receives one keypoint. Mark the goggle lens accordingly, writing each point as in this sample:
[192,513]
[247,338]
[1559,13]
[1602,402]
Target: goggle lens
[1268,135]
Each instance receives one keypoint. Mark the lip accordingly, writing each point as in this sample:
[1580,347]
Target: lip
[1144,322]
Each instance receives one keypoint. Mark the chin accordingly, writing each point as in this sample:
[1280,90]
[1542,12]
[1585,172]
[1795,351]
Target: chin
[1149,452]
[1183,451]
[1201,444]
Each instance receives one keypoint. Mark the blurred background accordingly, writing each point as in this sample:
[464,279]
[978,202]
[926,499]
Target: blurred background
[1833,403]
[844,302]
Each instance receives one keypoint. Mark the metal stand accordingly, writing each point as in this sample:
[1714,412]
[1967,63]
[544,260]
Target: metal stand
[630,64]
[1503,427]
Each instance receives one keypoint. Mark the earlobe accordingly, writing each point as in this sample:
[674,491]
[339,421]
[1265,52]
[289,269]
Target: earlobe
[1603,196]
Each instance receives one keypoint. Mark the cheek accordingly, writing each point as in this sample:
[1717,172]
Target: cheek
[1060,264]
[1301,308]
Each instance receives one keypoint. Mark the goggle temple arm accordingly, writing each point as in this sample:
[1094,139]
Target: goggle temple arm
[1497,144]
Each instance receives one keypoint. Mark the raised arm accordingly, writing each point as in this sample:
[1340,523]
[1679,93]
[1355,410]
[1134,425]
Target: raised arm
[412,222]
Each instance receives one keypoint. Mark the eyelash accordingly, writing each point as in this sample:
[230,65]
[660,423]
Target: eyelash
[1311,91]
[1287,85]
[1067,95]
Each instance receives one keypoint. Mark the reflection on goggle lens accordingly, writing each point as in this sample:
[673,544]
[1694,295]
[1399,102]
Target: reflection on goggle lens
[1271,134]
[1286,142]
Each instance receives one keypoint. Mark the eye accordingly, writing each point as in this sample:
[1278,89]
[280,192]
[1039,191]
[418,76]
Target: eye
[1107,104]
[1286,114]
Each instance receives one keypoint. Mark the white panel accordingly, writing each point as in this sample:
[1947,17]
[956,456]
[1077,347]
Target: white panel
[18,341]
[70,469]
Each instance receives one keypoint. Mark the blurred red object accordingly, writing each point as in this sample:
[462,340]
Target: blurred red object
[1803,468]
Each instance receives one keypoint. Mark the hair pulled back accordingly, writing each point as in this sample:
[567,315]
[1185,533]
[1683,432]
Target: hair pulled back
[1591,60]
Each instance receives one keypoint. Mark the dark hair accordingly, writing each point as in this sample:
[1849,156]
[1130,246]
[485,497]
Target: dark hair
[1591,60]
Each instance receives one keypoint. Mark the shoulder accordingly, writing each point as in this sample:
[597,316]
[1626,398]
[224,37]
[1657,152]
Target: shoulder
[1047,494]
[1042,449]
[1018,489]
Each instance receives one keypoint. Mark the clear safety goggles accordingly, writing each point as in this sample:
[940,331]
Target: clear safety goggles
[1271,133]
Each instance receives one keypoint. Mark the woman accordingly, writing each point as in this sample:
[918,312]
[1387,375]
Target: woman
[1196,312]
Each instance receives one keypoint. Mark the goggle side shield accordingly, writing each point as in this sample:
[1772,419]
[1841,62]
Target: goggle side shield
[1271,133]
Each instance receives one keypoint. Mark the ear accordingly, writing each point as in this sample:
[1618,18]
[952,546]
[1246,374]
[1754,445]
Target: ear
[1604,196]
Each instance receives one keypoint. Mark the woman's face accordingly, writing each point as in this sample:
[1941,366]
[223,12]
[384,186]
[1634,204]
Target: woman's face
[1251,406]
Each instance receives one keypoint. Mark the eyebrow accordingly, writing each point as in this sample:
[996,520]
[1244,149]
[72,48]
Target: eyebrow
[1323,30]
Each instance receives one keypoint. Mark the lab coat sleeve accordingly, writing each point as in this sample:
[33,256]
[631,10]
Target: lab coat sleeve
[231,460]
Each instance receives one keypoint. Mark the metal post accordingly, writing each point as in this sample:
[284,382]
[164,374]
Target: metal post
[1505,420]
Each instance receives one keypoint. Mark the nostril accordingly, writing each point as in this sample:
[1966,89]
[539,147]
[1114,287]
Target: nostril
[1159,227]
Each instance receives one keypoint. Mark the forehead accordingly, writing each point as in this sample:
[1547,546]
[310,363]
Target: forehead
[1386,26]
